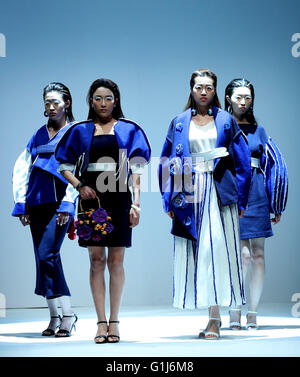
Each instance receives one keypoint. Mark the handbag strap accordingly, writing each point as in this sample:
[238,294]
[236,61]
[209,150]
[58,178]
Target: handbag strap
[80,203]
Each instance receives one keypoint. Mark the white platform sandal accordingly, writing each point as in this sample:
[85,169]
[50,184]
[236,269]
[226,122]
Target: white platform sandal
[211,335]
[251,325]
[235,326]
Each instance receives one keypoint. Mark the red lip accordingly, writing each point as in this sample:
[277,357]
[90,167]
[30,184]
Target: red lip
[203,98]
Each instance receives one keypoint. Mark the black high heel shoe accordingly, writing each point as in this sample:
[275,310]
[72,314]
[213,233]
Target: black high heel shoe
[50,332]
[62,333]
[113,336]
[104,337]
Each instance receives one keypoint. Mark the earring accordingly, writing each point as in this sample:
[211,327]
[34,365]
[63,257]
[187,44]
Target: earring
[210,111]
[194,112]
[46,114]
[229,109]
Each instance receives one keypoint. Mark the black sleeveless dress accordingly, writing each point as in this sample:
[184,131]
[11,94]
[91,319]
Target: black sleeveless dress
[115,198]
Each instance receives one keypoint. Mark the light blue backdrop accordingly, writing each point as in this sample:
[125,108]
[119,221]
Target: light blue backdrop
[150,48]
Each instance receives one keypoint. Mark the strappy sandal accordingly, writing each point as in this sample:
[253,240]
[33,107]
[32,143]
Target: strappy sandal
[211,335]
[113,336]
[50,332]
[251,325]
[101,336]
[234,325]
[62,333]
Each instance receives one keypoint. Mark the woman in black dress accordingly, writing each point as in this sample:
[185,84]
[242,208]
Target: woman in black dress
[99,166]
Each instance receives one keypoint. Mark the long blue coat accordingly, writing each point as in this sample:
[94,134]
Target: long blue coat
[232,174]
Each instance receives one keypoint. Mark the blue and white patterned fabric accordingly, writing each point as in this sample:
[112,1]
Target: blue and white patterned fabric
[35,177]
[276,177]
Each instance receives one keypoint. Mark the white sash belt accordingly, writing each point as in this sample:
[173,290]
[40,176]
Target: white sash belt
[255,162]
[204,161]
[102,166]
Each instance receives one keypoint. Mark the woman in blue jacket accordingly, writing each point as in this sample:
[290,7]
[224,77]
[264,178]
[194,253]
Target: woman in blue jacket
[255,225]
[103,158]
[204,178]
[45,201]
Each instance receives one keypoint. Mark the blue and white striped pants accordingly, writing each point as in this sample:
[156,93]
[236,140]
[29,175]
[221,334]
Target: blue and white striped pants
[208,271]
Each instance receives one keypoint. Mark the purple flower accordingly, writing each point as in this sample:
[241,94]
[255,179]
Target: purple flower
[84,232]
[99,215]
[109,227]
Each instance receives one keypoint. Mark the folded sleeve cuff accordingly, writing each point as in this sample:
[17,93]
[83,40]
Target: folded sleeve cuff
[19,209]
[137,168]
[67,207]
[66,166]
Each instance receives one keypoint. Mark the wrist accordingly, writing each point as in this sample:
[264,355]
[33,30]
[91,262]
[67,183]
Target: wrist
[136,206]
[79,186]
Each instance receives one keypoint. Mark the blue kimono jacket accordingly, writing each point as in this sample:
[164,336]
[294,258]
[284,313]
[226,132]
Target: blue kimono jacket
[73,149]
[35,177]
[272,165]
[232,174]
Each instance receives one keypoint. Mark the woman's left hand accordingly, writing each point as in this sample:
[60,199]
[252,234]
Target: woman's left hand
[276,219]
[134,217]
[62,218]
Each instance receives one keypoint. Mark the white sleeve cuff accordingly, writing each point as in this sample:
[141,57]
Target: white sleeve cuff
[137,168]
[66,166]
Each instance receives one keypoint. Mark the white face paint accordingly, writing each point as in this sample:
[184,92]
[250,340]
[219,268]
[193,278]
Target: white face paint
[55,106]
[240,101]
[203,90]
[103,102]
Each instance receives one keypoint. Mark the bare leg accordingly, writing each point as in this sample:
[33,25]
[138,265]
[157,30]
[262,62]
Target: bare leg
[116,285]
[257,276]
[97,283]
[246,257]
[235,312]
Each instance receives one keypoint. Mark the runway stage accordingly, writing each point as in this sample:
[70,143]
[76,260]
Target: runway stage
[152,332]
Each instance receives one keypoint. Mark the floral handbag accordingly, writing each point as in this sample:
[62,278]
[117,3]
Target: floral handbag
[93,223]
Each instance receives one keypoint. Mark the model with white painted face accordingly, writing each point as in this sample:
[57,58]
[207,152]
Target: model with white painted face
[215,182]
[255,225]
[42,202]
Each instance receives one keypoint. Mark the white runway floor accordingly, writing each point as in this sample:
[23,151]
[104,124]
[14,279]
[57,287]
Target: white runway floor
[152,332]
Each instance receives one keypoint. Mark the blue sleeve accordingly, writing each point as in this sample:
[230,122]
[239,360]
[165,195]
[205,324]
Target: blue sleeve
[140,146]
[164,176]
[276,177]
[242,158]
[70,147]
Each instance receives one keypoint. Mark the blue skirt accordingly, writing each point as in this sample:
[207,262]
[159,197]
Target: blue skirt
[256,220]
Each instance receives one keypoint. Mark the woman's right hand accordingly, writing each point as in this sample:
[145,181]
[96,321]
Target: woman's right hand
[25,220]
[87,192]
[171,214]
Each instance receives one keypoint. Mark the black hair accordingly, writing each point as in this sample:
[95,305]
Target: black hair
[109,84]
[66,95]
[238,83]
[202,72]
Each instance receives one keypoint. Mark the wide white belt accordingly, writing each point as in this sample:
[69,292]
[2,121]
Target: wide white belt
[255,162]
[102,166]
[204,161]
